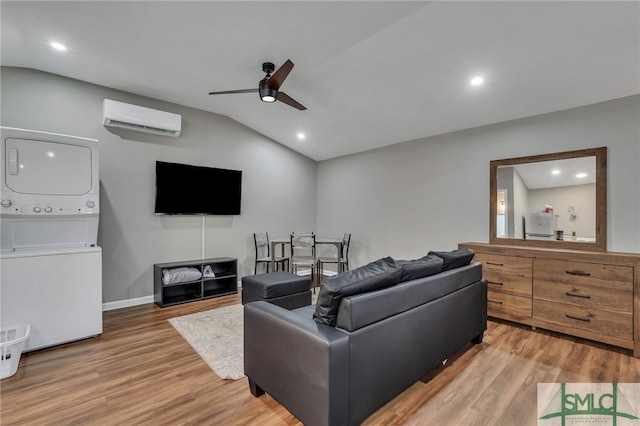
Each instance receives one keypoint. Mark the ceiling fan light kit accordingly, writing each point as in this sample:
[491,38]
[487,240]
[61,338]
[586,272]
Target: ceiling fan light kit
[267,94]
[268,87]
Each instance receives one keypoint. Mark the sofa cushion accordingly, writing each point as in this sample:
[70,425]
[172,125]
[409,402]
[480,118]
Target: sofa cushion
[454,259]
[374,276]
[420,268]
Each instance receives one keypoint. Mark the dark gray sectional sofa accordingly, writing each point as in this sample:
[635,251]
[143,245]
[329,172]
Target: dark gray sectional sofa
[371,335]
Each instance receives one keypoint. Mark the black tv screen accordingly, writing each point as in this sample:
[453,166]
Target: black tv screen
[186,189]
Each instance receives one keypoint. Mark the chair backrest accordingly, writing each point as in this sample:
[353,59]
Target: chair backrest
[261,241]
[303,244]
[346,240]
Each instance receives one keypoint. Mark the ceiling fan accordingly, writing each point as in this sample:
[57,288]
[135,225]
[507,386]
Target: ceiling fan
[269,86]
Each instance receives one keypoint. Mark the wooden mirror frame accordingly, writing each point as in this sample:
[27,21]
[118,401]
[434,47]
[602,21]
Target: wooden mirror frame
[601,200]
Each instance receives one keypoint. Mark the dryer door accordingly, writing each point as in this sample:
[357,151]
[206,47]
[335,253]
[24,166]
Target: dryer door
[47,168]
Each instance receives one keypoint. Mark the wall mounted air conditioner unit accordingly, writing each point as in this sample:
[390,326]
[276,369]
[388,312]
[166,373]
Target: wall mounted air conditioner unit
[133,117]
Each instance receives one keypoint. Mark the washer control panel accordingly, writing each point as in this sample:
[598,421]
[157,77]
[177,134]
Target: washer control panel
[24,205]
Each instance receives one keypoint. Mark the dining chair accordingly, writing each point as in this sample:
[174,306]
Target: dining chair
[303,252]
[343,259]
[263,253]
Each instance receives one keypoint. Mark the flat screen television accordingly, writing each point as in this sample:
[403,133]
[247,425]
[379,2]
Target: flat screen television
[187,189]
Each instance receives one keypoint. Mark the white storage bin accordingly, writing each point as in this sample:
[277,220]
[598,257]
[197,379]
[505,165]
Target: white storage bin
[12,341]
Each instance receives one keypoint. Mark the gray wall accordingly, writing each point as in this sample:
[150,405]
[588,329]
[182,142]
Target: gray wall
[401,200]
[279,185]
[432,193]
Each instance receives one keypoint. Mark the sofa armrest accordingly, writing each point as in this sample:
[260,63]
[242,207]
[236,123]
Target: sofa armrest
[301,363]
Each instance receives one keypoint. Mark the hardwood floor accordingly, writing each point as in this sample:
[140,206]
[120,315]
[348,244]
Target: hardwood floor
[141,371]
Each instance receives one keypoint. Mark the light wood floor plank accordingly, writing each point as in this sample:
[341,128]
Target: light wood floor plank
[141,371]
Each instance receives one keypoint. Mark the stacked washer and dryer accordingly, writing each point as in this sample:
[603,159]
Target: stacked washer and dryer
[51,266]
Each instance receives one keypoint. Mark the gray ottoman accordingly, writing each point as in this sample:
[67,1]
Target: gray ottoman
[280,288]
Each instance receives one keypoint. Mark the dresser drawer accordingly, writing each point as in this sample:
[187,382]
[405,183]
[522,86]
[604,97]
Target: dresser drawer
[581,273]
[584,296]
[507,306]
[512,284]
[594,321]
[511,265]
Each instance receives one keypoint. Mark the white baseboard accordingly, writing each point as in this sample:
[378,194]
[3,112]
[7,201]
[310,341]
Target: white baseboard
[110,306]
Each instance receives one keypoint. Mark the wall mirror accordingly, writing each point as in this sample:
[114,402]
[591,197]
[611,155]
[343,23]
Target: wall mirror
[554,200]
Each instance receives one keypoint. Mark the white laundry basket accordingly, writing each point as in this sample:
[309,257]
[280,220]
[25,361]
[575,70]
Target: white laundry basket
[12,340]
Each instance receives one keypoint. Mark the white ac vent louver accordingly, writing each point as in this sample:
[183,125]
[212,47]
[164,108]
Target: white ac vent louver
[142,119]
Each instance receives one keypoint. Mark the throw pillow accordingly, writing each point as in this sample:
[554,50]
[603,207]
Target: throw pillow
[420,268]
[454,259]
[180,275]
[374,276]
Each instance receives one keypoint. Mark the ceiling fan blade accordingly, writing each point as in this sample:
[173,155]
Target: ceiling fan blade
[228,92]
[284,98]
[281,73]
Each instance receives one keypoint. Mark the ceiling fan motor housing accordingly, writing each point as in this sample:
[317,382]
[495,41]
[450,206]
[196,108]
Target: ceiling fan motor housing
[268,67]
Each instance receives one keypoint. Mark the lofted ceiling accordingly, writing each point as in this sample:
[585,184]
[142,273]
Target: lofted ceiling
[370,73]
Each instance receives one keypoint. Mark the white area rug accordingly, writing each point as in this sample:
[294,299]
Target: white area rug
[217,336]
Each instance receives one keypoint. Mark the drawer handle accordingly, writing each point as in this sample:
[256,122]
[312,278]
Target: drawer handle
[497,302]
[578,318]
[495,282]
[495,264]
[579,273]
[583,296]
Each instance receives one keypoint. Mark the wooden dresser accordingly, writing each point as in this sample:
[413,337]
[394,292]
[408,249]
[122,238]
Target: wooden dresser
[588,294]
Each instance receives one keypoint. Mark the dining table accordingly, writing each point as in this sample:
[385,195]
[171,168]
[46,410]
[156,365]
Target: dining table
[284,242]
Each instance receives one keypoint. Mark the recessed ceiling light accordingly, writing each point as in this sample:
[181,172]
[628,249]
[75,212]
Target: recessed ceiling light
[58,46]
[581,175]
[301,136]
[555,172]
[477,81]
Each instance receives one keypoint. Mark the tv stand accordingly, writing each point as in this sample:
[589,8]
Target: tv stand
[222,281]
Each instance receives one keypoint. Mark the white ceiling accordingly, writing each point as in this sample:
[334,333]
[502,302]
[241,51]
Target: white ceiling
[540,175]
[370,73]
